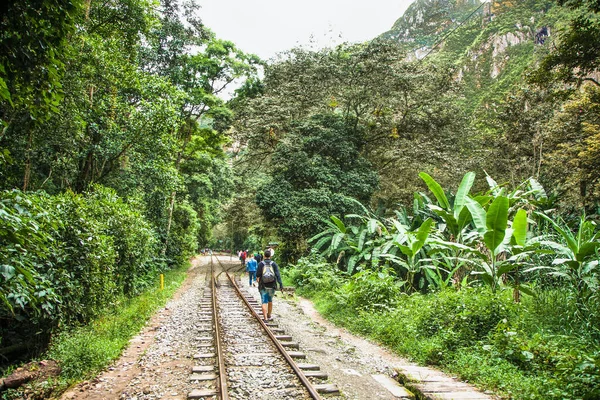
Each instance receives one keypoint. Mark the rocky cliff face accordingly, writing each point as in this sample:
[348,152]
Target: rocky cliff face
[491,44]
[425,20]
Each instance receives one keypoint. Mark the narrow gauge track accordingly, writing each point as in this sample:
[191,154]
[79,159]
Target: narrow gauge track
[244,358]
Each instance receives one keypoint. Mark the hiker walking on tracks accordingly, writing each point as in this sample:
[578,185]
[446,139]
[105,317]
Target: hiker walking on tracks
[251,266]
[268,277]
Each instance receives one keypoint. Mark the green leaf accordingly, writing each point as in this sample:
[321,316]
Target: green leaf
[339,223]
[335,241]
[506,267]
[463,192]
[538,189]
[422,235]
[496,222]
[321,242]
[7,271]
[478,215]
[372,225]
[361,239]
[407,251]
[519,227]
[436,189]
[491,183]
[527,290]
[565,233]
[586,250]
[448,219]
[463,218]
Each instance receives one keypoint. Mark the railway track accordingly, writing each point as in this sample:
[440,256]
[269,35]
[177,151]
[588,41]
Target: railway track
[241,357]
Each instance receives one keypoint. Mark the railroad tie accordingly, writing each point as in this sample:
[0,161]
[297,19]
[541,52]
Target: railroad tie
[316,374]
[204,355]
[296,354]
[309,367]
[202,368]
[327,388]
[203,377]
[201,393]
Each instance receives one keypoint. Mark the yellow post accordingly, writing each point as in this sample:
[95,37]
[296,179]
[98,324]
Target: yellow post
[162,281]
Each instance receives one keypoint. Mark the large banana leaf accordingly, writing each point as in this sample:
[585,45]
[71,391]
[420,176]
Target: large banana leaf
[463,192]
[339,223]
[478,215]
[448,218]
[496,221]
[519,227]
[436,189]
[422,235]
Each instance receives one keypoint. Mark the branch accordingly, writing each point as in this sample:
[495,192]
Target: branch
[595,82]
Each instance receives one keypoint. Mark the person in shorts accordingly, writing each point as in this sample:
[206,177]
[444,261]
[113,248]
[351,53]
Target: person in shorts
[251,266]
[267,289]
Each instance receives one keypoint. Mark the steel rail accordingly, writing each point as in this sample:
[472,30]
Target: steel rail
[311,390]
[220,358]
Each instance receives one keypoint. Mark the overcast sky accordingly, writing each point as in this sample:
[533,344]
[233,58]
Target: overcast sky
[265,27]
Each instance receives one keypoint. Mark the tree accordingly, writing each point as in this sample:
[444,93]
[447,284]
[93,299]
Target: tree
[316,172]
[577,54]
[33,49]
[404,109]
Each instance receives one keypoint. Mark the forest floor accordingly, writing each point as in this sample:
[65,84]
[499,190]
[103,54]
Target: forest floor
[158,361]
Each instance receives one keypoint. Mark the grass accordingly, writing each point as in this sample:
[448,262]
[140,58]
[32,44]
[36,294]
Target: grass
[84,351]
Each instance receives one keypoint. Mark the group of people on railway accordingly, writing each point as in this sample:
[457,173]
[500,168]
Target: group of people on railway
[262,270]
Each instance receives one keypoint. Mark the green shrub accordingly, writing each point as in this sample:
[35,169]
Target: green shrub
[64,259]
[313,274]
[371,289]
[27,237]
[183,236]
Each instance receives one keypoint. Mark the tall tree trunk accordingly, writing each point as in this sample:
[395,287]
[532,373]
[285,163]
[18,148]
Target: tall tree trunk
[169,221]
[186,140]
[27,174]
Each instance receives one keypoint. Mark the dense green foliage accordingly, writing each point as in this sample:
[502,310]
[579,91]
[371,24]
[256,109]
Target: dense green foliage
[113,130]
[469,257]
[113,169]
[315,173]
[84,351]
[66,258]
[521,350]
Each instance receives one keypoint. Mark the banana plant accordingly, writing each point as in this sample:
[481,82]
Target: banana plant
[497,239]
[367,248]
[578,259]
[410,244]
[354,244]
[530,193]
[455,216]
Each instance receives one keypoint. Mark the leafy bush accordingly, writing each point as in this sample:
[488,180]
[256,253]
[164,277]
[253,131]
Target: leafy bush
[66,258]
[183,236]
[369,289]
[27,234]
[313,274]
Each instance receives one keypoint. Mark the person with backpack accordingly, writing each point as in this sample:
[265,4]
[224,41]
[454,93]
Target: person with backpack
[251,268]
[268,277]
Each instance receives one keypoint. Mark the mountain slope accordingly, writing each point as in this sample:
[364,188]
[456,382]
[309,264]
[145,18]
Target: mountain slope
[490,44]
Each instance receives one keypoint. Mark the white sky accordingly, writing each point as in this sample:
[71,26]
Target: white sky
[266,27]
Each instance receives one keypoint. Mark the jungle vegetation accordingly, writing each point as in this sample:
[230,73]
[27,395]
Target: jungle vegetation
[449,201]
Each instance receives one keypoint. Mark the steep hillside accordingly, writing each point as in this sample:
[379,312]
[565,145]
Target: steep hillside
[426,21]
[490,44]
